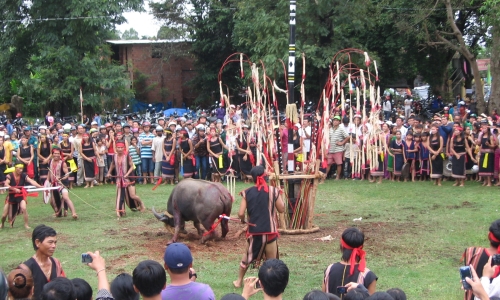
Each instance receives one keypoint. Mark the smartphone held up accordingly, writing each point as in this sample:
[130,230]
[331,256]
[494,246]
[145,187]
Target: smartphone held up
[86,258]
[464,273]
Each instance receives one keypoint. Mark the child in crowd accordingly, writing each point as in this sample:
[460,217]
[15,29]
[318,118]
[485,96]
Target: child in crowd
[101,160]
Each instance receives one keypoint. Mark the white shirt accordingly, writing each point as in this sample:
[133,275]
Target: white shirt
[493,288]
[157,147]
[307,140]
[386,106]
[408,103]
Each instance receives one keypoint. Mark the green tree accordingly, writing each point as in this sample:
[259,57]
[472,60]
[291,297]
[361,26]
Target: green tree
[56,47]
[130,34]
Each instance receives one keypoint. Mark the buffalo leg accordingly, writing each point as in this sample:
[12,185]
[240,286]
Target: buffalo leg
[197,226]
[208,227]
[177,223]
[225,227]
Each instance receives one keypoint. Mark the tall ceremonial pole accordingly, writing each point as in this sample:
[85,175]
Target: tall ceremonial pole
[291,82]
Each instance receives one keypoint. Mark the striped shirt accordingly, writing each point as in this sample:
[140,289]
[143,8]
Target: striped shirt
[146,151]
[136,159]
[336,135]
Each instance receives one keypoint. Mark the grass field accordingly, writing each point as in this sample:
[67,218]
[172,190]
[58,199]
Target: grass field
[415,236]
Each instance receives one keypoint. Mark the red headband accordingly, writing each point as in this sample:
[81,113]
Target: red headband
[261,183]
[491,237]
[86,134]
[355,252]
[120,144]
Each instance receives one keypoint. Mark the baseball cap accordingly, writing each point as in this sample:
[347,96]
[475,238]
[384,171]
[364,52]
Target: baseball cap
[336,118]
[172,124]
[177,256]
[93,123]
[28,128]
[146,123]
[159,128]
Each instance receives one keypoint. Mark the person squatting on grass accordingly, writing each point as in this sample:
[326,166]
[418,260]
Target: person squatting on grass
[260,202]
[352,267]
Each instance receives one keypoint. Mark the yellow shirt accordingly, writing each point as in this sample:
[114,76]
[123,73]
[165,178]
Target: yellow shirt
[8,151]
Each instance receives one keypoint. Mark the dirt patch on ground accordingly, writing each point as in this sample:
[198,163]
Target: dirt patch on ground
[234,243]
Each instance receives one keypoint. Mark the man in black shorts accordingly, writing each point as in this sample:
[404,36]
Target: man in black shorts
[261,203]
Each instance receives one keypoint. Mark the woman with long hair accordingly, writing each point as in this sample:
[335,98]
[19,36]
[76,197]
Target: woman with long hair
[186,148]
[488,143]
[215,147]
[410,154]
[459,148]
[44,156]
[67,150]
[25,154]
[88,153]
[244,154]
[435,146]
[424,155]
[168,162]
[398,153]
[352,266]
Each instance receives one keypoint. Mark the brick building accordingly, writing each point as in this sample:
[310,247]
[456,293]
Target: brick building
[159,70]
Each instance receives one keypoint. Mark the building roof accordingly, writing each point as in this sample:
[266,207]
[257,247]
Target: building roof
[129,42]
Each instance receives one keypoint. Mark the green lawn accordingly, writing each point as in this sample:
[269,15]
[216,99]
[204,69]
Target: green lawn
[415,236]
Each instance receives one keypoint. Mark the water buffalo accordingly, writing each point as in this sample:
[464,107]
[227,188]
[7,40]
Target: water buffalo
[199,201]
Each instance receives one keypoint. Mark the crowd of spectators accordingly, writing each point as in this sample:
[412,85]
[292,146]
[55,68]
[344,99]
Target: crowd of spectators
[42,278]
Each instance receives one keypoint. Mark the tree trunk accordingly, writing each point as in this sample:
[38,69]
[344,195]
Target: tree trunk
[463,49]
[494,101]
[481,105]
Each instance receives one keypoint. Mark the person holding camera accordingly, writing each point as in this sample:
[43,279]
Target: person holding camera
[352,267]
[272,280]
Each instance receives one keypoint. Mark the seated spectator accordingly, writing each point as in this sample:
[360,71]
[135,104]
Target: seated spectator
[380,296]
[123,288]
[273,279]
[319,295]
[83,290]
[232,296]
[357,293]
[20,284]
[352,267]
[59,288]
[178,263]
[149,279]
[397,294]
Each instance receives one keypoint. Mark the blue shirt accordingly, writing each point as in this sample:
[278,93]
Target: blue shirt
[445,131]
[98,120]
[10,128]
[146,151]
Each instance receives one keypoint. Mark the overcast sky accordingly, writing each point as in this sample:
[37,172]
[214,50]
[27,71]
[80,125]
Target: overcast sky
[144,23]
